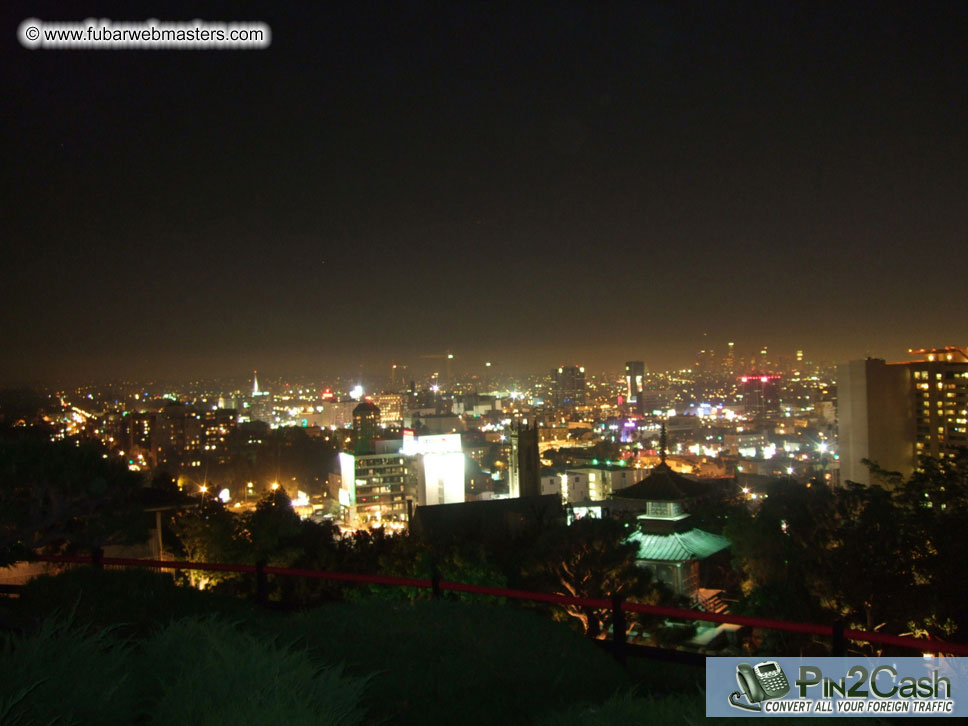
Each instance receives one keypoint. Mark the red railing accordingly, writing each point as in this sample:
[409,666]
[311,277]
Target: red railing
[931,645]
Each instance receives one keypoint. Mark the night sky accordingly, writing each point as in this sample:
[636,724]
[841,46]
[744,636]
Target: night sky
[557,183]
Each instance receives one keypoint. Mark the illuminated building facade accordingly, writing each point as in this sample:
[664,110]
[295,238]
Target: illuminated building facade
[439,464]
[589,483]
[332,414]
[391,409]
[217,426]
[894,413]
[176,436]
[634,384]
[761,394]
[375,487]
[569,386]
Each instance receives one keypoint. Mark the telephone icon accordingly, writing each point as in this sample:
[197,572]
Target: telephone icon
[759,683]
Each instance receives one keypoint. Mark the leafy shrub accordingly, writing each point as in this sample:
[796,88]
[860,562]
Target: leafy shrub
[208,672]
[136,601]
[441,661]
[65,675]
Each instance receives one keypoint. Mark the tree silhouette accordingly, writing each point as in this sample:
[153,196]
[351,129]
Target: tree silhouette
[64,495]
[591,559]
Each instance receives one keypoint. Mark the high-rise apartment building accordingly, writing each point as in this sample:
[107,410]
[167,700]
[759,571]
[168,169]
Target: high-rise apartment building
[176,436]
[941,401]
[375,487]
[894,413]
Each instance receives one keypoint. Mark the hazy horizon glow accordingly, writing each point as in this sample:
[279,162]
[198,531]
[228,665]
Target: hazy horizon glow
[528,185]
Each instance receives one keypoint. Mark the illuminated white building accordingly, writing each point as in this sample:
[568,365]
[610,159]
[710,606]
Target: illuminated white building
[593,483]
[375,488]
[440,465]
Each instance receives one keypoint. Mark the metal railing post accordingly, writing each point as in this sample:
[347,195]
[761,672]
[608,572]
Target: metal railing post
[619,637]
[435,582]
[839,648]
[261,583]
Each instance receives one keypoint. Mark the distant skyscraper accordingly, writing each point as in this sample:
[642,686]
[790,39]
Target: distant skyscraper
[761,394]
[391,408]
[524,471]
[569,386]
[255,383]
[366,418]
[894,413]
[634,382]
[729,362]
[398,377]
[705,362]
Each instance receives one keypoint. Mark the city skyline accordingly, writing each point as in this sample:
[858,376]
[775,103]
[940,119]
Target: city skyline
[387,373]
[532,186]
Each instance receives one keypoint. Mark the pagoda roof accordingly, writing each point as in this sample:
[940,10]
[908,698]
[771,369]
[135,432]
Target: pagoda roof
[694,544]
[663,485]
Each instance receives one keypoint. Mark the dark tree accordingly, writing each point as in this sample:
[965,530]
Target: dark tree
[65,495]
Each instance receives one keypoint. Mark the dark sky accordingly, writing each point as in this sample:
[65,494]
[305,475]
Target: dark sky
[560,182]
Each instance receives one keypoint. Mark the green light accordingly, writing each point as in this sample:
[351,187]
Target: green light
[595,462]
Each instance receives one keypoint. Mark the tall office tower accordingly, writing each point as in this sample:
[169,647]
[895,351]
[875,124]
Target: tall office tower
[761,394]
[569,386]
[255,384]
[524,472]
[634,382]
[764,362]
[895,413]
[729,362]
[703,359]
[399,375]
